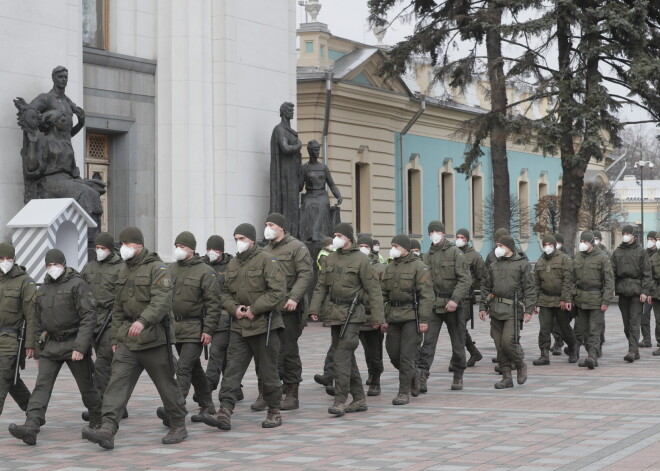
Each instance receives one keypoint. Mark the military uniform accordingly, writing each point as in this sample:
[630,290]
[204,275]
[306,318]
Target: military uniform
[477,266]
[645,321]
[372,339]
[594,285]
[17,305]
[325,379]
[348,275]
[405,281]
[632,277]
[451,282]
[655,295]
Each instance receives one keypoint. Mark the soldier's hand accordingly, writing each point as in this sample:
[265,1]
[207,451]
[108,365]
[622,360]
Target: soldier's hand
[527,317]
[603,307]
[536,310]
[205,339]
[290,305]
[451,306]
[642,297]
[314,317]
[114,348]
[249,314]
[649,300]
[423,328]
[136,328]
[29,353]
[562,306]
[569,306]
[482,315]
[383,327]
[76,356]
[375,326]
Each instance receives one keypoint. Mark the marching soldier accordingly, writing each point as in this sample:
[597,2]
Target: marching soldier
[326,379]
[408,295]
[598,242]
[593,287]
[375,250]
[65,320]
[347,280]
[632,282]
[253,292]
[296,265]
[141,334]
[197,309]
[645,323]
[17,304]
[451,283]
[506,279]
[101,276]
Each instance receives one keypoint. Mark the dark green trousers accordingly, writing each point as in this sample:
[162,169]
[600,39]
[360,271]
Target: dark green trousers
[508,351]
[20,392]
[548,316]
[456,328]
[217,358]
[466,317]
[646,321]
[103,363]
[590,322]
[289,364]
[345,369]
[189,372]
[631,314]
[239,355]
[402,342]
[372,343]
[329,362]
[127,366]
[43,389]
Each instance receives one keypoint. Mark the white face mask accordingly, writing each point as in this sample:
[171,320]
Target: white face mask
[460,243]
[559,245]
[55,271]
[657,244]
[376,248]
[651,244]
[127,252]
[102,254]
[416,253]
[395,253]
[436,238]
[548,249]
[212,255]
[269,233]
[583,247]
[180,254]
[330,248]
[242,246]
[627,238]
[365,250]
[596,241]
[338,242]
[6,266]
[500,252]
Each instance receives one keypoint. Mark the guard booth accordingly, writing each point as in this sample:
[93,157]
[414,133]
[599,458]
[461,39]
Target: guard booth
[44,224]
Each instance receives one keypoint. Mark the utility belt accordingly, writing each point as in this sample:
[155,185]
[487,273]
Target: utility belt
[9,330]
[438,294]
[503,300]
[187,318]
[600,290]
[344,302]
[61,338]
[402,304]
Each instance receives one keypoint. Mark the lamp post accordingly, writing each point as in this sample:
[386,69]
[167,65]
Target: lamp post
[641,164]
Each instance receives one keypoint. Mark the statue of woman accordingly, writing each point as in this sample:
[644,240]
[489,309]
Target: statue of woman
[315,222]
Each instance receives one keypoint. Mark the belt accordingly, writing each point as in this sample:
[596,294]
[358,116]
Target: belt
[342,302]
[590,289]
[443,295]
[548,293]
[401,304]
[504,301]
[62,338]
[9,330]
[187,318]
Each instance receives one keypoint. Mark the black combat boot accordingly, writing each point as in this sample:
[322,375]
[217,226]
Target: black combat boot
[573,354]
[330,389]
[26,432]
[475,355]
[506,382]
[630,357]
[544,359]
[656,353]
[323,380]
[175,435]
[374,387]
[369,380]
[163,415]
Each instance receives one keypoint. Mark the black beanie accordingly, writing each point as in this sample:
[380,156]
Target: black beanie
[402,240]
[55,256]
[464,232]
[376,242]
[508,242]
[345,229]
[132,234]
[628,229]
[499,233]
[414,244]
[549,239]
[652,235]
[277,218]
[598,235]
[106,240]
[366,240]
[587,236]
[7,250]
[246,229]
[215,242]
[186,238]
[558,237]
[436,226]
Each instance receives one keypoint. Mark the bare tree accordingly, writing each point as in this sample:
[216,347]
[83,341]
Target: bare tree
[519,222]
[599,209]
[547,211]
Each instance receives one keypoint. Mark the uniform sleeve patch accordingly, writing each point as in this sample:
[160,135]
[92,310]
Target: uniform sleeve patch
[164,282]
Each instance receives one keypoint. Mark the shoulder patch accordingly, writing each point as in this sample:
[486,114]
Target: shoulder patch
[164,282]
[162,267]
[273,259]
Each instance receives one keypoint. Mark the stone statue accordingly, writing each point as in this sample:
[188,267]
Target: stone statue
[49,166]
[285,164]
[315,218]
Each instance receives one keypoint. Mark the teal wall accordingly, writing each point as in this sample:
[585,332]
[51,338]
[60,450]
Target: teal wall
[433,153]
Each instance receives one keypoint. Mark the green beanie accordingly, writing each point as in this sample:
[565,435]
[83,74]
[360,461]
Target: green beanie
[366,240]
[186,238]
[376,242]
[499,233]
[558,237]
[549,239]
[7,250]
[628,229]
[277,218]
[132,234]
[652,235]
[55,256]
[464,232]
[508,242]
[414,244]
[247,230]
[344,229]
[215,242]
[587,236]
[598,235]
[436,226]
[402,240]
[106,240]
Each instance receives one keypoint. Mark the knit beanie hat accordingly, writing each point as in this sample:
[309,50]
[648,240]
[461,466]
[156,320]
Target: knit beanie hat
[7,250]
[345,229]
[464,232]
[402,240]
[587,236]
[436,226]
[277,218]
[367,240]
[652,235]
[106,240]
[414,244]
[55,256]
[628,229]
[376,242]
[499,233]
[246,229]
[558,237]
[215,242]
[508,242]
[132,234]
[549,239]
[598,235]
[186,238]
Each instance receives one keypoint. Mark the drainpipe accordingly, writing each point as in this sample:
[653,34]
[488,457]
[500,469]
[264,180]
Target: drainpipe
[326,115]
[402,164]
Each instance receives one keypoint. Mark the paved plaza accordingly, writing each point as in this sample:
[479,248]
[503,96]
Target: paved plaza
[564,418]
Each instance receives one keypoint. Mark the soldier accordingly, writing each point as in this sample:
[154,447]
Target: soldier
[370,338]
[553,281]
[197,309]
[296,265]
[655,294]
[326,379]
[17,304]
[375,250]
[598,242]
[556,330]
[632,282]
[416,248]
[347,281]
[253,292]
[408,295]
[451,283]
[490,258]
[65,319]
[101,276]
[645,324]
[140,331]
[593,286]
[476,264]
[509,275]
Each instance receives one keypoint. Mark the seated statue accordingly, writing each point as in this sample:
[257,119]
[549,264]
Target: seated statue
[315,218]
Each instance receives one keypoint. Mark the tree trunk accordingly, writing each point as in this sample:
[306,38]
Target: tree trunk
[498,133]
